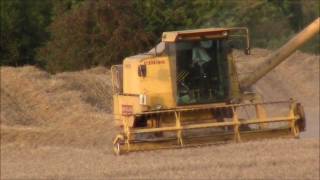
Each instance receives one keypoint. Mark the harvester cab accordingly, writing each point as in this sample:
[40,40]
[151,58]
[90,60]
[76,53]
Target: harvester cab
[186,92]
[204,69]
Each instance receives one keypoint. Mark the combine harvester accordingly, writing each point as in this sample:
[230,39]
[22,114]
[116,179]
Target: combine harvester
[187,92]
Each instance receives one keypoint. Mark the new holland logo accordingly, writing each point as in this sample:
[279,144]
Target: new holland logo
[154,62]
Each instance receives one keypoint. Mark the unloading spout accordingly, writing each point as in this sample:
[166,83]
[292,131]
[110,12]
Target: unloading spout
[280,55]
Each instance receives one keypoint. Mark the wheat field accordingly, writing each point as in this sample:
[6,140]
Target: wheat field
[60,127]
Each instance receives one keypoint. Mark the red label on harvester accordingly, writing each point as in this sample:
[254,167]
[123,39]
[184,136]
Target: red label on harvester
[127,110]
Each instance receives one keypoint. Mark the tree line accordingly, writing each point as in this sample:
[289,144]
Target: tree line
[67,35]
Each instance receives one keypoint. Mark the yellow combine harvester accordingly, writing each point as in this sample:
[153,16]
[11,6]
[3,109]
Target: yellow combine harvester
[186,92]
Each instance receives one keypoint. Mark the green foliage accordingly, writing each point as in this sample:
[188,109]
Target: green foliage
[62,6]
[95,33]
[64,35]
[163,15]
[23,29]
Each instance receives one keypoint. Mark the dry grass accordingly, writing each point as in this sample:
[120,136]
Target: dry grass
[69,108]
[60,126]
[277,159]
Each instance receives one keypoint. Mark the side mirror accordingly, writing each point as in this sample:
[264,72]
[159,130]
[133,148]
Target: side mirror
[142,70]
[244,34]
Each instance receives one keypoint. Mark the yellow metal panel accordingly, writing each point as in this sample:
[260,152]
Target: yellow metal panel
[129,101]
[126,107]
[116,113]
[172,35]
[158,84]
[169,36]
[131,80]
[234,89]
[202,30]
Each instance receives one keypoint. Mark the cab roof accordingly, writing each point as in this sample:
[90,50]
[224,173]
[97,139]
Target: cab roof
[174,36]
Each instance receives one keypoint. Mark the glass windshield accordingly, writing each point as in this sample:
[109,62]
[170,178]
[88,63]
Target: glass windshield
[202,72]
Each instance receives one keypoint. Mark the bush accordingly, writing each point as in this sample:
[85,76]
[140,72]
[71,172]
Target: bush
[95,33]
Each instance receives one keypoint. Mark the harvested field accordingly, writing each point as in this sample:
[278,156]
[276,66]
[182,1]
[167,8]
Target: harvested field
[278,159]
[60,126]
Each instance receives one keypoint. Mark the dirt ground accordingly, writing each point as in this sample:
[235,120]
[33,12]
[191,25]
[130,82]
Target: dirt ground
[60,126]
